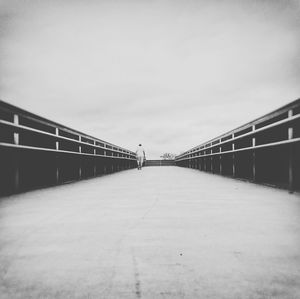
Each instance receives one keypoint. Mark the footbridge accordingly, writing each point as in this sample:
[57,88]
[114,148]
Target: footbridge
[77,220]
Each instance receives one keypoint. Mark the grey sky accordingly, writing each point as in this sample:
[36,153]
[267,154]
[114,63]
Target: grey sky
[168,74]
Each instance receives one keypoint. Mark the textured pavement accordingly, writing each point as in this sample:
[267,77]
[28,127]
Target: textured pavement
[163,232]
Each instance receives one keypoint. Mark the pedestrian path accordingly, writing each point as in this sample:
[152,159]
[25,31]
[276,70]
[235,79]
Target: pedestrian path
[163,232]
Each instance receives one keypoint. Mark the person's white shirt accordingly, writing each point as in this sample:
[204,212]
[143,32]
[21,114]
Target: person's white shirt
[140,151]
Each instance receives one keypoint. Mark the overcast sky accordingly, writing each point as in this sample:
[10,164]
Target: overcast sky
[167,74]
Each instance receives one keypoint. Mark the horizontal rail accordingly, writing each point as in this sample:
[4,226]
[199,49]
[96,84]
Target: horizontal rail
[209,145]
[265,150]
[4,106]
[36,152]
[20,128]
[244,149]
[254,132]
[9,145]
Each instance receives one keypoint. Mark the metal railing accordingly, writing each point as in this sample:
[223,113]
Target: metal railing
[36,152]
[266,150]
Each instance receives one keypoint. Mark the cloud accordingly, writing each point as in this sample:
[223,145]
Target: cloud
[169,74]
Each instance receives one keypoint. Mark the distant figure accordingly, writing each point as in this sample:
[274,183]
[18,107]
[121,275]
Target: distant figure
[140,156]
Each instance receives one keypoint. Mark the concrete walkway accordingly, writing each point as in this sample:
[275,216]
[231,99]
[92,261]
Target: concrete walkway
[163,232]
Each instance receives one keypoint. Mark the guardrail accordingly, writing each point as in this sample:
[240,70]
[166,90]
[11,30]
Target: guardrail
[266,150]
[36,152]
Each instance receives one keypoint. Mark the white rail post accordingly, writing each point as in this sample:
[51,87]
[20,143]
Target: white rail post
[233,159]
[57,156]
[95,159]
[220,158]
[211,162]
[16,162]
[16,135]
[291,155]
[253,156]
[79,149]
[104,153]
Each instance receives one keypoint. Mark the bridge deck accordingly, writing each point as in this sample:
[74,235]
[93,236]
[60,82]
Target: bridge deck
[163,232]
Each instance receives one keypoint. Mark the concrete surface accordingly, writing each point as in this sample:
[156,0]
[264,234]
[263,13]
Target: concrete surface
[163,232]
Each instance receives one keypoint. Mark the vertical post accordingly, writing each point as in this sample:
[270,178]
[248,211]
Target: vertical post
[16,162]
[104,165]
[56,142]
[118,162]
[57,156]
[95,159]
[291,155]
[233,160]
[211,162]
[253,156]
[79,149]
[220,158]
[79,169]
[16,135]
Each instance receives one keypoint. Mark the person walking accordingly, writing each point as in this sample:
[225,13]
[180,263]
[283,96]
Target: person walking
[140,156]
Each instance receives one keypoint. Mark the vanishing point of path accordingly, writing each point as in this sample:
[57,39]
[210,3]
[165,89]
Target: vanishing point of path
[163,232]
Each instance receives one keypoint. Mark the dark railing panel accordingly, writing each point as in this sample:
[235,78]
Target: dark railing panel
[36,152]
[160,163]
[265,150]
